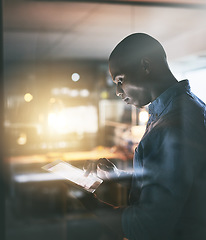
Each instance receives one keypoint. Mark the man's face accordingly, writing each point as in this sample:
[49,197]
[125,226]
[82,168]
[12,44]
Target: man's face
[131,85]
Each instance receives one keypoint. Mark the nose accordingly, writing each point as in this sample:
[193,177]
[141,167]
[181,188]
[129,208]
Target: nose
[119,90]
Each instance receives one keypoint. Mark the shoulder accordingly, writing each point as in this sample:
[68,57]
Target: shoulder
[185,113]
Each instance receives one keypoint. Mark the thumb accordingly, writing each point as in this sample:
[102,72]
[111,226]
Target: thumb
[102,167]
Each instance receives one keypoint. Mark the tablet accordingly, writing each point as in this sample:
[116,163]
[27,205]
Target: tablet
[75,175]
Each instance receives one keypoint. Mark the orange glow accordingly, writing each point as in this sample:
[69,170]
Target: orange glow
[79,119]
[28,97]
[22,139]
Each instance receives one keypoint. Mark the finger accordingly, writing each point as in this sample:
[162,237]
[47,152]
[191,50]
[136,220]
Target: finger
[101,173]
[88,169]
[102,167]
[86,165]
[94,167]
[106,162]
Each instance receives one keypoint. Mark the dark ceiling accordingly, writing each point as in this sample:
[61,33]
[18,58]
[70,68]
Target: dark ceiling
[62,30]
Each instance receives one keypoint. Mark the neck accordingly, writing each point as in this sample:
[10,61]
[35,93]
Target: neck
[162,82]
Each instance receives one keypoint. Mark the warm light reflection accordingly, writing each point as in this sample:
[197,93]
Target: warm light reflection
[52,100]
[74,93]
[143,117]
[22,139]
[84,93]
[57,121]
[70,92]
[81,119]
[28,97]
[36,177]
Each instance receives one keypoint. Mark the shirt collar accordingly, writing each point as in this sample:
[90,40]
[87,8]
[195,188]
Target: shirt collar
[160,103]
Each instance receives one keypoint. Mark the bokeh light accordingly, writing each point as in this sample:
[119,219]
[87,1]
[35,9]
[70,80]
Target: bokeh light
[75,77]
[28,97]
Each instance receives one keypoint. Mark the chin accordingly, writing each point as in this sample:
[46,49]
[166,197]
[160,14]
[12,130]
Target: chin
[137,105]
[141,104]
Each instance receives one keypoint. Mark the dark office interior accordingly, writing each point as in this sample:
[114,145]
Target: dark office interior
[59,102]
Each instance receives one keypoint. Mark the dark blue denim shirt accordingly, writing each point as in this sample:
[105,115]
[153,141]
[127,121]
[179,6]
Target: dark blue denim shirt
[161,105]
[168,192]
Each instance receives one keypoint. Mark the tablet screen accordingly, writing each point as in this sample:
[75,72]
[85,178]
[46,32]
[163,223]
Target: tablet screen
[74,174]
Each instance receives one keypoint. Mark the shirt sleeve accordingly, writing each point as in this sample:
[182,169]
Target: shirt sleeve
[165,184]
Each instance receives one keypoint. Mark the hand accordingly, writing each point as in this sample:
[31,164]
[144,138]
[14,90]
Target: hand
[103,168]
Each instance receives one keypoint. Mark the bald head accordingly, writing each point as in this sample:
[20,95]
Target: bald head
[135,47]
[138,66]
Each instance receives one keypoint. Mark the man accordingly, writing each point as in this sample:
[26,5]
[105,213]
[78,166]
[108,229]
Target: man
[168,189]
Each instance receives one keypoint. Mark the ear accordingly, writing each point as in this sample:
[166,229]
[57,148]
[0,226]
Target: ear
[146,66]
